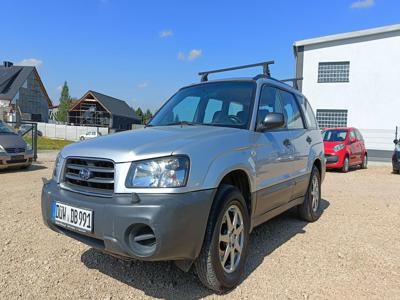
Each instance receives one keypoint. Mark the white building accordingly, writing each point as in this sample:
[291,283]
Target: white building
[353,79]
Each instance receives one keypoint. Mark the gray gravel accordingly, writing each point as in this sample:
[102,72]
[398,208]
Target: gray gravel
[351,252]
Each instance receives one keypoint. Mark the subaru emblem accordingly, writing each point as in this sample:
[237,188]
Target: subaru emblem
[84,174]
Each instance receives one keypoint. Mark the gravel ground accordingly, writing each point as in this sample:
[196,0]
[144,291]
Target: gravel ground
[351,252]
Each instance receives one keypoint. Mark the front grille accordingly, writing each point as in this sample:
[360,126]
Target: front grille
[14,150]
[89,174]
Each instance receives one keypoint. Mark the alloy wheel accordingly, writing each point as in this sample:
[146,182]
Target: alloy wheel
[231,239]
[315,193]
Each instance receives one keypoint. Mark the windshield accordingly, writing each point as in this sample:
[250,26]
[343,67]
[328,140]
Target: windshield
[227,104]
[337,135]
[5,129]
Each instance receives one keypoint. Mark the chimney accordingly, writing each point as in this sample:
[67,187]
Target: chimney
[7,64]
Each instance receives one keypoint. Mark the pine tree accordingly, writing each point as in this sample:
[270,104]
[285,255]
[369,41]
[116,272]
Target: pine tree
[147,116]
[139,114]
[65,104]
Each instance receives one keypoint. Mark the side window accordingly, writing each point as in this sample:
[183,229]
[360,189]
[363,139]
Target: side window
[309,114]
[234,108]
[212,107]
[291,111]
[352,135]
[186,109]
[358,135]
[269,102]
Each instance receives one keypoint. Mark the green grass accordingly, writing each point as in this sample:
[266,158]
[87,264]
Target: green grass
[45,143]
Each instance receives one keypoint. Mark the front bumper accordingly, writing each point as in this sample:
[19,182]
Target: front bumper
[17,160]
[334,160]
[178,221]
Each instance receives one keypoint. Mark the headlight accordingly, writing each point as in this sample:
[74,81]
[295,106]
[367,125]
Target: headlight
[162,172]
[57,167]
[2,149]
[338,147]
[28,147]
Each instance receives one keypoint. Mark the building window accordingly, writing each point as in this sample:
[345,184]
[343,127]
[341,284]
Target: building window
[329,118]
[333,72]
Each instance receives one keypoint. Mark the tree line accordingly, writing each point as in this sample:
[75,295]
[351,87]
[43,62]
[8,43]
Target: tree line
[66,102]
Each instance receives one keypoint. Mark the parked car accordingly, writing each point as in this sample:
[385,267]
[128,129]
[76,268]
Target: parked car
[396,156]
[26,127]
[344,147]
[218,159]
[14,151]
[89,135]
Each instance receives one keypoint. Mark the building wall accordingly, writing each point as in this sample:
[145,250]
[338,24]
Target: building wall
[372,95]
[31,100]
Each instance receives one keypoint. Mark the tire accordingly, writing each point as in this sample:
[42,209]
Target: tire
[364,164]
[210,269]
[310,210]
[82,138]
[346,165]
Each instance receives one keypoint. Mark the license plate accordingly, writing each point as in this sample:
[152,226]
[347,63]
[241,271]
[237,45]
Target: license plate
[17,157]
[72,217]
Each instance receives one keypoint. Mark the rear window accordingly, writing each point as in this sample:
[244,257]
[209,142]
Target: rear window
[308,113]
[337,135]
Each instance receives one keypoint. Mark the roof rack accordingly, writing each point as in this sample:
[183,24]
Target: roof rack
[265,65]
[294,81]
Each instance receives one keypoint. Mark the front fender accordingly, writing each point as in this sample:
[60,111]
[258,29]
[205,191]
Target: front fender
[228,162]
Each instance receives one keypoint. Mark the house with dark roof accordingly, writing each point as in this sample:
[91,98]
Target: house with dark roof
[23,96]
[96,109]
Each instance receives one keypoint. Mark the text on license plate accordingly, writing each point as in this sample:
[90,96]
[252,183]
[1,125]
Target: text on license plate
[72,217]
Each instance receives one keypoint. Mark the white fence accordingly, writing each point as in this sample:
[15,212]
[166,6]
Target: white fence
[67,132]
[378,139]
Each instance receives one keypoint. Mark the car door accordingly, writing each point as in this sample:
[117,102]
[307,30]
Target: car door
[300,140]
[273,156]
[353,148]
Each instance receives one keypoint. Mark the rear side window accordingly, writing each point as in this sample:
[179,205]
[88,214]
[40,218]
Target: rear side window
[291,111]
[308,113]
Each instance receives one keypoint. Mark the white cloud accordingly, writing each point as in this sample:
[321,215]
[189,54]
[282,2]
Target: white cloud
[192,55]
[195,53]
[363,4]
[181,56]
[142,85]
[166,33]
[30,62]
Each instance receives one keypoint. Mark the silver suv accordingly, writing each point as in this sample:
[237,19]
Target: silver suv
[218,159]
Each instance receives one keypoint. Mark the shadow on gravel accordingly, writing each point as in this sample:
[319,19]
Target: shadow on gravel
[164,280]
[33,167]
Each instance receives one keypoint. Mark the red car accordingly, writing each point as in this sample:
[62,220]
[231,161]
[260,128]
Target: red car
[344,147]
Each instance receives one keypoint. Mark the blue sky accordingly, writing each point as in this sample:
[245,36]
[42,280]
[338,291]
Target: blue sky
[143,51]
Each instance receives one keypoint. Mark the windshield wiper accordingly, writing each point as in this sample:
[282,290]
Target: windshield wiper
[182,123]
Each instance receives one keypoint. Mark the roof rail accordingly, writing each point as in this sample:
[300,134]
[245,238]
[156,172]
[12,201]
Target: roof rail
[294,81]
[265,65]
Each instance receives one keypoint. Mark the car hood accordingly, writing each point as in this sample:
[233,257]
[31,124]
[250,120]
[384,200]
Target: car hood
[149,142]
[12,141]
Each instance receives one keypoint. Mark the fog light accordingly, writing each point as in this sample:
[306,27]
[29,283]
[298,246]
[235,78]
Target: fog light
[142,240]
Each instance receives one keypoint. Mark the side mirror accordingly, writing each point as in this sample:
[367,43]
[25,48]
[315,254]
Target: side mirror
[272,121]
[395,141]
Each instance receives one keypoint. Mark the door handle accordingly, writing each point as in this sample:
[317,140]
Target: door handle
[309,140]
[287,142]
